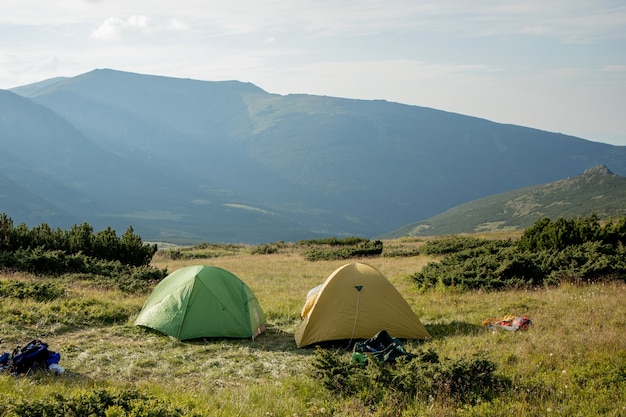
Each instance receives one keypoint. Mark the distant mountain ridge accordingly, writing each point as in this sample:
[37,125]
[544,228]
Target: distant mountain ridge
[182,159]
[597,190]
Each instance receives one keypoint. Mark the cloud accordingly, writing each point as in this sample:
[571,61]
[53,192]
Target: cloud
[615,68]
[176,25]
[115,28]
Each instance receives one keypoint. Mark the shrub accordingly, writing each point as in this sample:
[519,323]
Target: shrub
[79,240]
[490,268]
[202,251]
[456,244]
[38,291]
[128,279]
[333,241]
[128,403]
[423,378]
[363,249]
[549,253]
[268,248]
[401,253]
[562,233]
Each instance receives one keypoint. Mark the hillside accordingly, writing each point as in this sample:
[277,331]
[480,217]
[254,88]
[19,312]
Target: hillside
[188,160]
[571,361]
[597,190]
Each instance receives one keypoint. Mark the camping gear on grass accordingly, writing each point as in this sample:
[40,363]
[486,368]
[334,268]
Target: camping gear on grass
[355,302]
[31,357]
[203,301]
[382,347]
[509,322]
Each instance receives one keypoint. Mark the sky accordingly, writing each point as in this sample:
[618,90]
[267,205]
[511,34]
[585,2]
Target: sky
[554,65]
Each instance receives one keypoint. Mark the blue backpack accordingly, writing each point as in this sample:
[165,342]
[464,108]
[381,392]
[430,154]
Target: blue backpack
[32,356]
[4,361]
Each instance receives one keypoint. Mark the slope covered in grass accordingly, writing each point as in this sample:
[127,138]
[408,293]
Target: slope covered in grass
[570,362]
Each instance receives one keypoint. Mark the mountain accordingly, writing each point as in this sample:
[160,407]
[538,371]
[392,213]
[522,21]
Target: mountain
[597,190]
[227,161]
[47,157]
[19,199]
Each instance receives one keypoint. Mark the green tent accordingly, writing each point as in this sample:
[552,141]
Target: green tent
[202,301]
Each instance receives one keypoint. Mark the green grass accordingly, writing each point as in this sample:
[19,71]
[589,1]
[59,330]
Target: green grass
[571,362]
[594,191]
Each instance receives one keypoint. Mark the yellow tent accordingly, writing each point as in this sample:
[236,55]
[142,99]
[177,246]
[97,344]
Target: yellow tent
[355,302]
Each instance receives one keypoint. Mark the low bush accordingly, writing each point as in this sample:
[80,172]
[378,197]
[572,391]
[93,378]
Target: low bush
[456,244]
[202,251]
[424,378]
[363,249]
[128,280]
[401,253]
[59,264]
[557,235]
[474,264]
[128,249]
[38,291]
[334,241]
[268,248]
[475,269]
[128,403]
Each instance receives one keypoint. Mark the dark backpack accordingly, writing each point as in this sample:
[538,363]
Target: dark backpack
[32,356]
[383,347]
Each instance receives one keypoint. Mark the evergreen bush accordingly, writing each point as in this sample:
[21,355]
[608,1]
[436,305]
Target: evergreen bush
[127,403]
[548,253]
[362,249]
[45,251]
[38,291]
[425,376]
[80,239]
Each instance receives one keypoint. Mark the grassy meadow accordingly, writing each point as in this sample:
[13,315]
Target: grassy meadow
[571,362]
